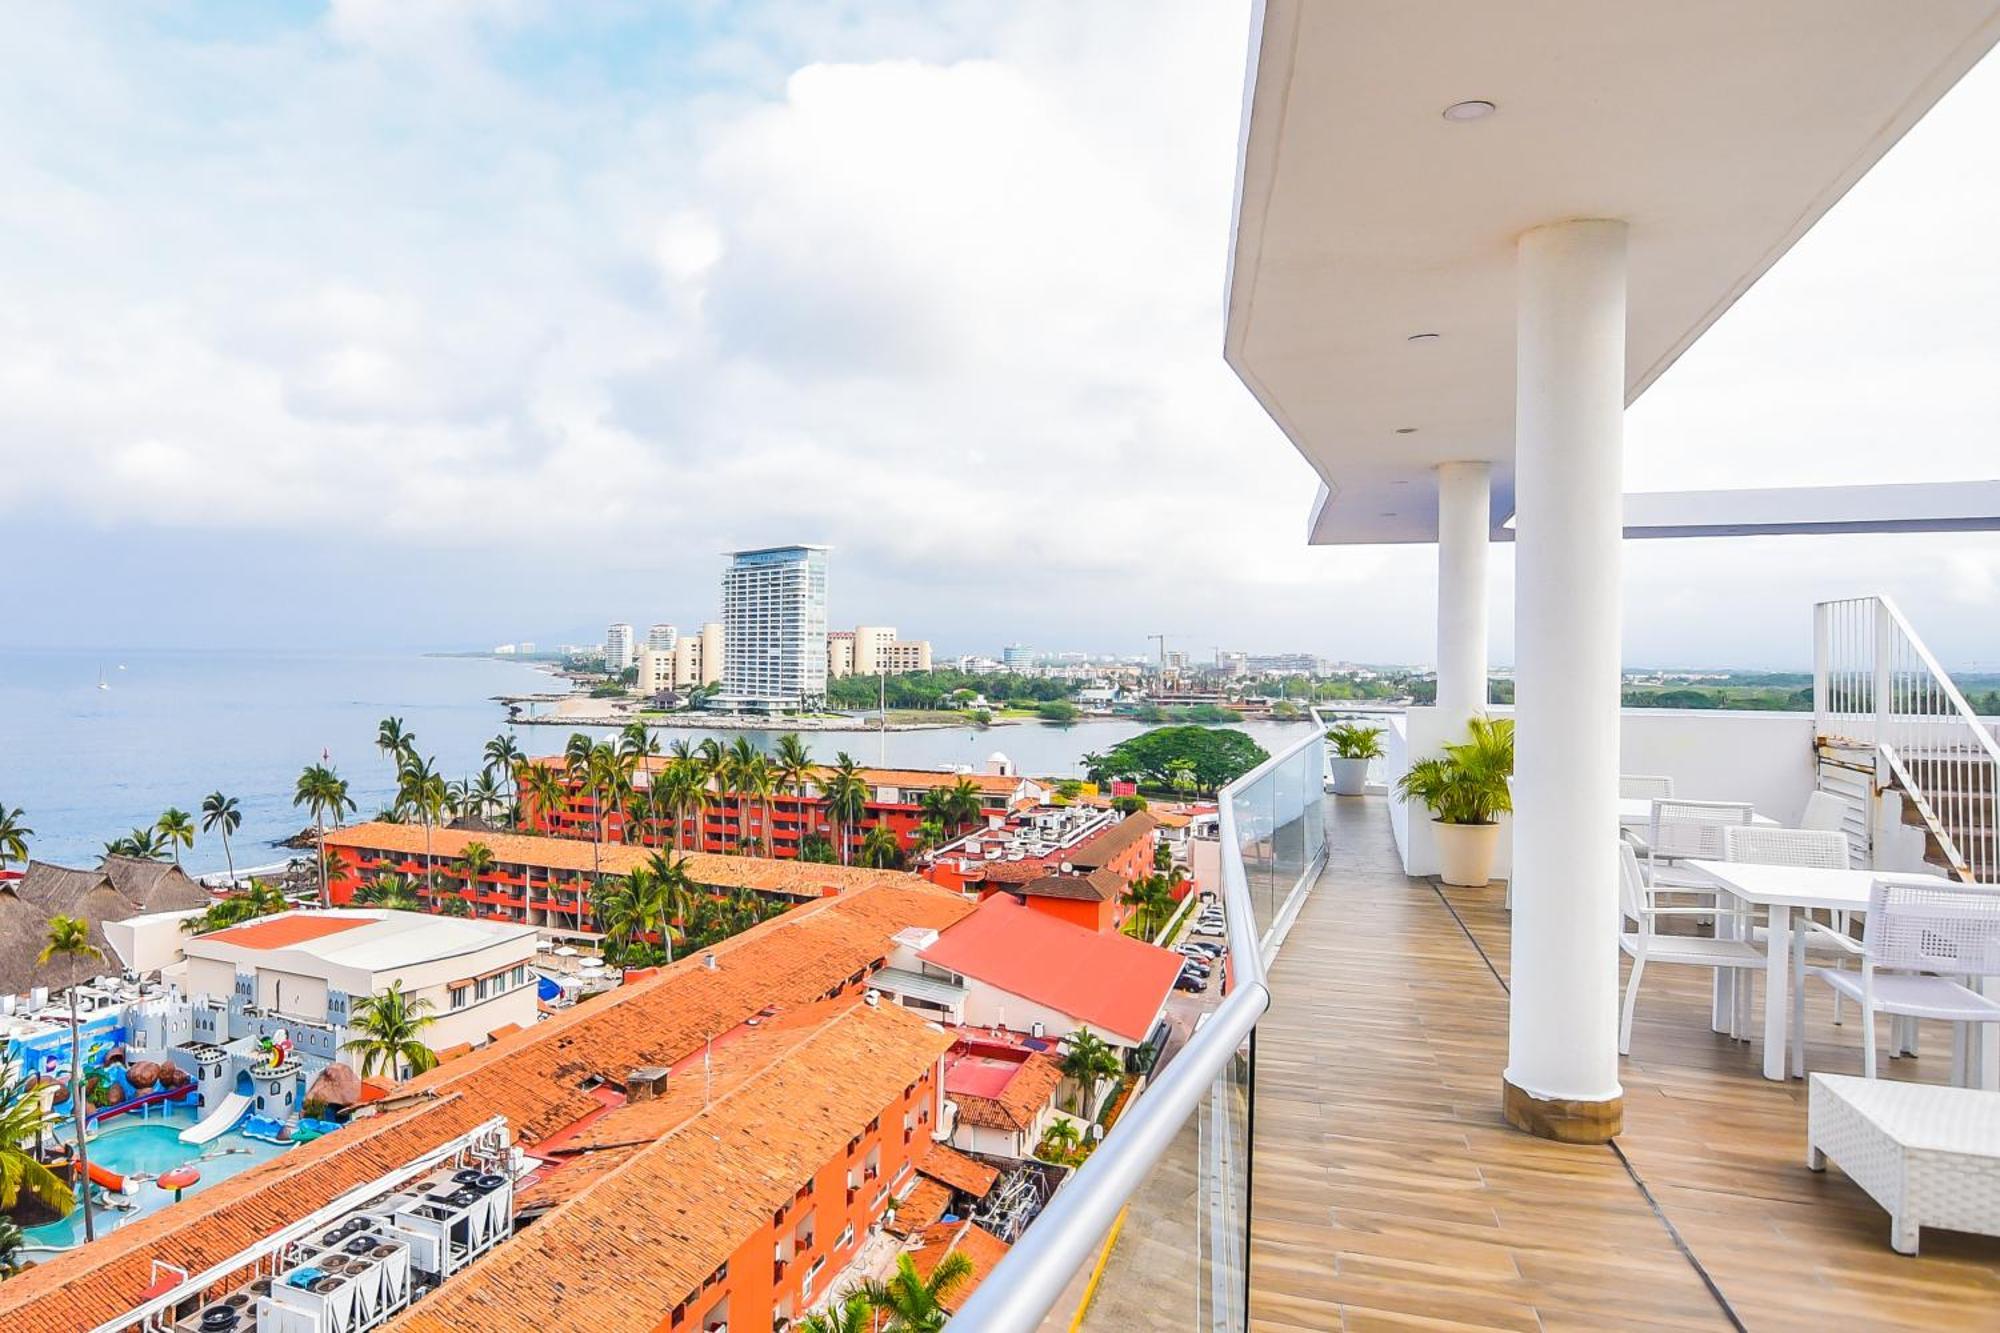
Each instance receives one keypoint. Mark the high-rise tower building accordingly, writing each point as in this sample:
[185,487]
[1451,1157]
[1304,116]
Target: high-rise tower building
[618,648]
[774,628]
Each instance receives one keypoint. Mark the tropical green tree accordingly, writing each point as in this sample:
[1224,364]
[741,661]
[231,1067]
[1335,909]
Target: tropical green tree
[1086,1060]
[503,756]
[14,835]
[607,776]
[636,742]
[396,741]
[929,836]
[1151,898]
[390,1027]
[141,843]
[24,1122]
[680,794]
[880,848]
[422,790]
[176,829]
[713,761]
[914,1303]
[852,1315]
[484,796]
[68,938]
[12,1238]
[222,815]
[846,794]
[1059,1140]
[961,804]
[739,766]
[792,765]
[474,861]
[394,892]
[545,789]
[324,793]
[760,780]
[674,894]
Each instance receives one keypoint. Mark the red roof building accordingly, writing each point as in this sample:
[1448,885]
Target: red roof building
[1022,969]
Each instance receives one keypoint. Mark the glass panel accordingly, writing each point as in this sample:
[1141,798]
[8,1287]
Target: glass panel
[1179,1259]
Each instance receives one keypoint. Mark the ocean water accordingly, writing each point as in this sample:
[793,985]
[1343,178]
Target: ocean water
[86,765]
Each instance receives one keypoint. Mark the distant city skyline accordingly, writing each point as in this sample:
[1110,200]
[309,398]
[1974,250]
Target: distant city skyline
[764,285]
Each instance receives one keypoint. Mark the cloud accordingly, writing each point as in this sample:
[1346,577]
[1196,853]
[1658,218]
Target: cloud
[581,298]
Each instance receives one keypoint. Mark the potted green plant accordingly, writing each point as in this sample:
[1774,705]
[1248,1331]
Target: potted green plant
[1466,791]
[1354,744]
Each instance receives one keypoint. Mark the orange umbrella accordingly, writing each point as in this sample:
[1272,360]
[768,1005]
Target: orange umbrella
[177,1179]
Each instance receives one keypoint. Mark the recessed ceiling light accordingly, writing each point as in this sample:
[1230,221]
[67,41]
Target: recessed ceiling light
[1388,513]
[1400,481]
[1474,110]
[1423,337]
[1406,430]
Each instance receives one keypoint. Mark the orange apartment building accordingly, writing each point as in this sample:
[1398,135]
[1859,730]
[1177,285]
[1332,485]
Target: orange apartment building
[711,1146]
[1072,863]
[733,819]
[546,882]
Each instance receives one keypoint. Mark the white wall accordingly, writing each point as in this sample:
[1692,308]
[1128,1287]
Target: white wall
[989,1006]
[1763,758]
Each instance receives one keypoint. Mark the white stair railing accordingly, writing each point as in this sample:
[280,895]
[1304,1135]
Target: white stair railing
[1876,687]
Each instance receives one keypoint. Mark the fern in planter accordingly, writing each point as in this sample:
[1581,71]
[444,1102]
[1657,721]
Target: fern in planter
[1467,784]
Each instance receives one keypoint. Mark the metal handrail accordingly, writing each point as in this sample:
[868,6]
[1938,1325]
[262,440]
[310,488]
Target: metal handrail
[1025,1285]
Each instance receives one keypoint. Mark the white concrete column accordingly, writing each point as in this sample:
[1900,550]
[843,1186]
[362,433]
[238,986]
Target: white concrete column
[1464,519]
[1562,1059]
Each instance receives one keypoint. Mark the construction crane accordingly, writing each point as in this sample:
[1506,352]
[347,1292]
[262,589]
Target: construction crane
[1161,639]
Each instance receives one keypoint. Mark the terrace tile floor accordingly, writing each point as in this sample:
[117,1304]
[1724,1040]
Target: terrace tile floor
[1390,1193]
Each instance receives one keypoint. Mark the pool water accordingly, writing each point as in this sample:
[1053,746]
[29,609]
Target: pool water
[149,1147]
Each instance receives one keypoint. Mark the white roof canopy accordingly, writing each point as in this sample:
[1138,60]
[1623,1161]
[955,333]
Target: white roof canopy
[1720,131]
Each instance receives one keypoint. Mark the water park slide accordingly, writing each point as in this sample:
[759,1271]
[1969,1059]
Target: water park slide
[110,1180]
[220,1119]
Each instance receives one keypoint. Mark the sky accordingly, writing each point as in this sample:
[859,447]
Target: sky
[408,326]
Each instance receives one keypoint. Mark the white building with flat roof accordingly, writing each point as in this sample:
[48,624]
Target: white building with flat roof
[661,638]
[774,628]
[619,651]
[309,969]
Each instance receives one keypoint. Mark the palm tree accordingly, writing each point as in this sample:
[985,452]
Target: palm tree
[424,791]
[674,891]
[1086,1059]
[324,793]
[792,764]
[503,753]
[69,939]
[914,1303]
[22,1120]
[545,788]
[846,798]
[880,848]
[681,794]
[475,860]
[14,836]
[221,814]
[141,843]
[620,910]
[738,775]
[607,779]
[391,891]
[853,1315]
[637,742]
[1152,898]
[391,1025]
[760,780]
[576,754]
[395,741]
[930,834]
[12,1238]
[961,804]
[176,829]
[714,767]
[484,796]
[1062,1137]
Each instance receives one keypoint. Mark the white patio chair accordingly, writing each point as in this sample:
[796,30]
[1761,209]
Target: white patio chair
[1818,849]
[1921,943]
[1644,786]
[1645,945]
[1689,831]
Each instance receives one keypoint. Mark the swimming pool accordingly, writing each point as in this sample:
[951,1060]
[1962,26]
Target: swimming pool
[149,1147]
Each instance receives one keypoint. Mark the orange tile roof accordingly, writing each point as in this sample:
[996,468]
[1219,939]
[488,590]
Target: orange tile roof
[533,1077]
[1019,1103]
[1109,981]
[559,1184]
[975,1242]
[95,1284]
[955,1169]
[1100,847]
[921,1207]
[285,931]
[621,1253]
[805,879]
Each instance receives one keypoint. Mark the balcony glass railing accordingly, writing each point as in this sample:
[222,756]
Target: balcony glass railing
[1153,1230]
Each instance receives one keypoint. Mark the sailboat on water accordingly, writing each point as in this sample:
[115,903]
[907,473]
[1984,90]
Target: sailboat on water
[102,683]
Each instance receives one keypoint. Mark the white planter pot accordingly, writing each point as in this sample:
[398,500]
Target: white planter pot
[1465,852]
[1349,776]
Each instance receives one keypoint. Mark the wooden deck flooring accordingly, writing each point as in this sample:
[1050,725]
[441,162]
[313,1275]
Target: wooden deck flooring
[1390,1193]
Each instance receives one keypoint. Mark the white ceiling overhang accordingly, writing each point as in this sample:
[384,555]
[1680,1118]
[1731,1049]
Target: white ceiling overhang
[1719,130]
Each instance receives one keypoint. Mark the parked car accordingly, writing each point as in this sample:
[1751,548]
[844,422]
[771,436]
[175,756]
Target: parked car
[1195,985]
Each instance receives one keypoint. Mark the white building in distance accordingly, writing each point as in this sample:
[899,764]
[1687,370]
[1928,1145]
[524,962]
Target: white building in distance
[618,648]
[774,629]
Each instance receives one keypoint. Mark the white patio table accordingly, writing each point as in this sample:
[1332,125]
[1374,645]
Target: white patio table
[1781,890]
[1637,812]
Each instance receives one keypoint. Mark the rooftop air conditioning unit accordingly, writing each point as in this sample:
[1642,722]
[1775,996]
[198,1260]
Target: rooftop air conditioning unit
[1038,1030]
